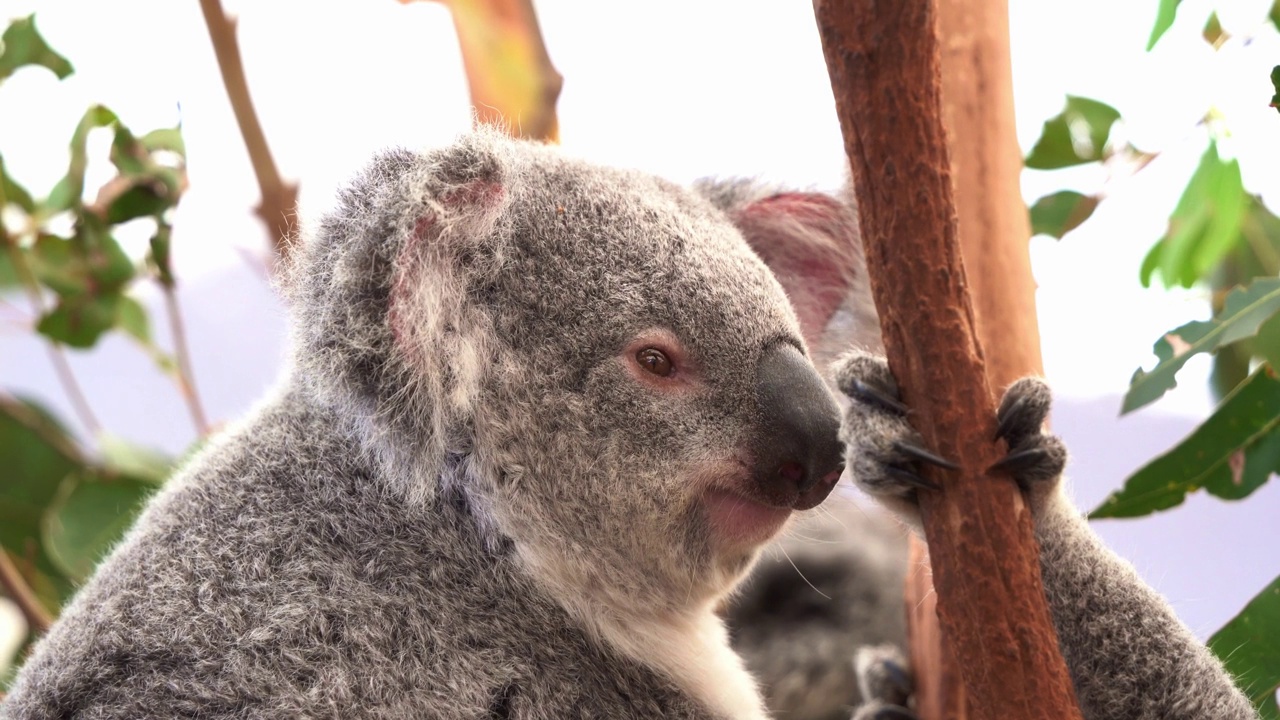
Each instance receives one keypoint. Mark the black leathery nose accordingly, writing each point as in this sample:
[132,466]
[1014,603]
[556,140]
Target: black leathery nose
[799,441]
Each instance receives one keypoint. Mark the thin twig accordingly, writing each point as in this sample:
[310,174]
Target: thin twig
[57,356]
[278,197]
[16,588]
[186,378]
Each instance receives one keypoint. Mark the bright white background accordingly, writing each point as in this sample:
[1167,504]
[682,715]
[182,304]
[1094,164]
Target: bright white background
[683,89]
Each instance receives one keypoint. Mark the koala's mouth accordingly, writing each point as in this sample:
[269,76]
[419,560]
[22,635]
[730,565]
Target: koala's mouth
[740,520]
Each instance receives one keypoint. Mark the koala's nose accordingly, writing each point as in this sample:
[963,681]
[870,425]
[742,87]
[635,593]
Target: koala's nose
[798,451]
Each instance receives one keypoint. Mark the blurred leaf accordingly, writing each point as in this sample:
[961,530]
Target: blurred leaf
[1075,136]
[1213,32]
[1164,20]
[158,257]
[167,139]
[1245,309]
[1060,213]
[1231,454]
[1274,14]
[69,191]
[1204,226]
[133,320]
[1249,647]
[79,320]
[88,517]
[126,458]
[22,45]
[38,456]
[144,187]
[1275,71]
[1267,342]
[12,192]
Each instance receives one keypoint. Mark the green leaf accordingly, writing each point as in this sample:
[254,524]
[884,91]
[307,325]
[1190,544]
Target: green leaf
[22,45]
[1274,14]
[1213,32]
[1275,76]
[1267,341]
[79,320]
[159,258]
[1060,213]
[38,456]
[68,192]
[168,139]
[1244,311]
[132,318]
[1164,20]
[88,517]
[12,192]
[1205,224]
[1249,647]
[1231,454]
[1075,136]
[126,458]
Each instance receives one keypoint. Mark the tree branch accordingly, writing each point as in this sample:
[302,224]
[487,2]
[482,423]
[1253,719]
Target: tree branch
[509,73]
[17,590]
[186,377]
[883,60]
[279,198]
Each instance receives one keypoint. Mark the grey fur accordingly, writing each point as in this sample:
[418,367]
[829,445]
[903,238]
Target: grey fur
[459,504]
[1129,656]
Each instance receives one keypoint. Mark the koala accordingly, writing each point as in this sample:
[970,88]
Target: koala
[538,421]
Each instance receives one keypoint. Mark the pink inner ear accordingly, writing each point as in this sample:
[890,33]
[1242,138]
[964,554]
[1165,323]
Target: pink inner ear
[809,242]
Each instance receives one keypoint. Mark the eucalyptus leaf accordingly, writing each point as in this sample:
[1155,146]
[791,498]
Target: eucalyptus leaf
[1205,225]
[123,457]
[167,139]
[23,45]
[69,191]
[1165,14]
[88,517]
[79,320]
[1075,136]
[12,192]
[1231,454]
[1243,312]
[1060,213]
[1249,647]
[1213,32]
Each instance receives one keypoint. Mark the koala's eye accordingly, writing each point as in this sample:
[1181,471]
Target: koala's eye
[655,361]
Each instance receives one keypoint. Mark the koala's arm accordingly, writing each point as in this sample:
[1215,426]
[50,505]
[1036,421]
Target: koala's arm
[1129,656]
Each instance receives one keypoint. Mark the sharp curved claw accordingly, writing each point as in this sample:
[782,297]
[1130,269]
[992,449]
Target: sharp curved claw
[912,478]
[873,395]
[1020,460]
[894,713]
[1008,416]
[922,455]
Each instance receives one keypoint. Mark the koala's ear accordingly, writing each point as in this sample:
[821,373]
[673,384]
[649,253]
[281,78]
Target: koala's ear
[811,242]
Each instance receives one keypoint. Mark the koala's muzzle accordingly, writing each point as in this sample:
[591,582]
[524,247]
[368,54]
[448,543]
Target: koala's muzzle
[798,457]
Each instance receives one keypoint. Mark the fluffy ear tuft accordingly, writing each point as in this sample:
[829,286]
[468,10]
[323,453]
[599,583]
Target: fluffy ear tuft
[811,243]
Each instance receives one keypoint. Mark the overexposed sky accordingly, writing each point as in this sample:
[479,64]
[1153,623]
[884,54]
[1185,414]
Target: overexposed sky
[683,89]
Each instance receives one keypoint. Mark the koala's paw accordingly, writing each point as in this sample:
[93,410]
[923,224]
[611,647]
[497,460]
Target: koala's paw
[885,682]
[885,453]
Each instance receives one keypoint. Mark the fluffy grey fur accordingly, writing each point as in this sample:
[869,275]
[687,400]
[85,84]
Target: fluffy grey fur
[463,503]
[1129,656]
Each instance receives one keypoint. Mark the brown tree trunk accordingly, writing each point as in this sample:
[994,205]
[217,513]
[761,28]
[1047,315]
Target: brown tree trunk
[883,59]
[977,105]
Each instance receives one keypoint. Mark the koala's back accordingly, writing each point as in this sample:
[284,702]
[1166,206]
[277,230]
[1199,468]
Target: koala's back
[278,579]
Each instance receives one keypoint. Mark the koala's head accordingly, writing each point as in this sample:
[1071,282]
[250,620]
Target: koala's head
[594,360]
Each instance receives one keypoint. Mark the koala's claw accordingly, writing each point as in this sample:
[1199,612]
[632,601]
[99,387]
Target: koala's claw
[885,683]
[1033,455]
[880,397]
[922,455]
[911,478]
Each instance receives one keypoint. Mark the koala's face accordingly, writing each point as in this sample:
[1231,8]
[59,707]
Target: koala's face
[650,417]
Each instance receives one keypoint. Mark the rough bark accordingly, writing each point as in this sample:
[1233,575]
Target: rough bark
[883,60]
[978,114]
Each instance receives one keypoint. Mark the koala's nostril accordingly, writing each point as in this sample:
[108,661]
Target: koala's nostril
[792,472]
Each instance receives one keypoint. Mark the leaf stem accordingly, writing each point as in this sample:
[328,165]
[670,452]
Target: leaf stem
[57,356]
[16,588]
[278,197]
[186,377]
